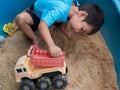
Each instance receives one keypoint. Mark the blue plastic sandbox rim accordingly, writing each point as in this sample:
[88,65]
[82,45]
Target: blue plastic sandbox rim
[117,4]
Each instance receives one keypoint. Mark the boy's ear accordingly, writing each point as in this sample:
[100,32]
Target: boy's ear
[82,13]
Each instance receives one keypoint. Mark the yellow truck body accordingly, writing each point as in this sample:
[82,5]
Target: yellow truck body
[25,69]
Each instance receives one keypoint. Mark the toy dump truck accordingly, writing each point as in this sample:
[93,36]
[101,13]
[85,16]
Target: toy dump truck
[31,76]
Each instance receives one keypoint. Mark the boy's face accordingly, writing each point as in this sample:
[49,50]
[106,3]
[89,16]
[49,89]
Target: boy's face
[76,23]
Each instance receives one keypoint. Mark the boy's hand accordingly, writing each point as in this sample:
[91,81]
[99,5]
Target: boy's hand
[55,51]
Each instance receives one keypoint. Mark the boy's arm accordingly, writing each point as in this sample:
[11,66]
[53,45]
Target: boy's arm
[45,34]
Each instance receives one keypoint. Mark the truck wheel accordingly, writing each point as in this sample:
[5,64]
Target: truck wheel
[43,83]
[59,82]
[27,84]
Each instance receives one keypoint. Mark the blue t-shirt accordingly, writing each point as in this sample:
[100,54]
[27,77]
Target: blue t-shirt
[53,10]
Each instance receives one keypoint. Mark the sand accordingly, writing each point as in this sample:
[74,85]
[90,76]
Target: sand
[89,61]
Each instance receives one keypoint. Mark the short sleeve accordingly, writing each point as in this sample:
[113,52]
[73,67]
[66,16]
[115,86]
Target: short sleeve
[50,16]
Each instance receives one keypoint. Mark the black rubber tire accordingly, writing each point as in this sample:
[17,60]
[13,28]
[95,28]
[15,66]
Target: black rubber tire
[43,83]
[59,82]
[26,83]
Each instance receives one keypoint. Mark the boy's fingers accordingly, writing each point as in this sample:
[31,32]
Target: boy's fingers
[56,54]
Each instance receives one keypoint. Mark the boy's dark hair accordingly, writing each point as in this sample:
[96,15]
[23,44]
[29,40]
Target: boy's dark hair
[95,16]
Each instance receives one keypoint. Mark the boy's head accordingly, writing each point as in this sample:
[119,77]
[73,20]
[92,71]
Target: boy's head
[89,19]
[95,16]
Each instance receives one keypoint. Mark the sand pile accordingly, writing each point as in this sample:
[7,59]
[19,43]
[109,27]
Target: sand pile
[89,62]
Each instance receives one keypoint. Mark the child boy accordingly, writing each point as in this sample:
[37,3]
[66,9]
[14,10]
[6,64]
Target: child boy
[87,18]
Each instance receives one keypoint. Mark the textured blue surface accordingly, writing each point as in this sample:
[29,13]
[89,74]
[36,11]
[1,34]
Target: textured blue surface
[111,29]
[117,4]
[9,9]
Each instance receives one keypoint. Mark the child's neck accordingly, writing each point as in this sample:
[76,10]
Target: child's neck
[73,10]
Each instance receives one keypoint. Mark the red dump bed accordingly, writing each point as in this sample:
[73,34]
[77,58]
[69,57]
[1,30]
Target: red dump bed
[40,57]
